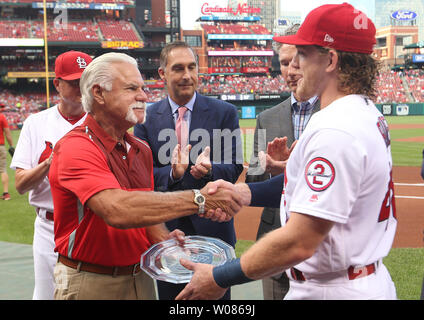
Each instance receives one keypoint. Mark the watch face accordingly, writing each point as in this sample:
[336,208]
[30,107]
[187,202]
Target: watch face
[200,198]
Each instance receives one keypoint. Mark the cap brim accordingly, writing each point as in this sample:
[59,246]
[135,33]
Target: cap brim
[293,39]
[73,76]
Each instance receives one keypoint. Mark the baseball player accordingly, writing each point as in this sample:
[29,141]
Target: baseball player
[337,208]
[32,160]
[5,133]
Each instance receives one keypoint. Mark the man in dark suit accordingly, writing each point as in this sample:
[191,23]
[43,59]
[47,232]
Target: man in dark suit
[211,131]
[287,119]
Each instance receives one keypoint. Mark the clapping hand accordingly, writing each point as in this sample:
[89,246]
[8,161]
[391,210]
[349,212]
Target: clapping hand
[179,161]
[277,153]
[203,164]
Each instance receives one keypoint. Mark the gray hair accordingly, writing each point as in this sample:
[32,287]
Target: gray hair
[290,31]
[100,72]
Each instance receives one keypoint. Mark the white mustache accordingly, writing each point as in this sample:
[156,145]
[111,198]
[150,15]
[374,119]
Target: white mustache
[138,105]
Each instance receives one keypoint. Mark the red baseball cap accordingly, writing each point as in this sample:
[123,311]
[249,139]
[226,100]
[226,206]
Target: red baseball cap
[70,65]
[337,26]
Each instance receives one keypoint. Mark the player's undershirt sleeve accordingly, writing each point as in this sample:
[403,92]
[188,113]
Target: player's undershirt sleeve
[332,171]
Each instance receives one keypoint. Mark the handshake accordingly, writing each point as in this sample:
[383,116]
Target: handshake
[224,199]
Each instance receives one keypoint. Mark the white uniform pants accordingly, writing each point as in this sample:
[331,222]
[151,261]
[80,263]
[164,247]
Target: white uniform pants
[44,259]
[376,286]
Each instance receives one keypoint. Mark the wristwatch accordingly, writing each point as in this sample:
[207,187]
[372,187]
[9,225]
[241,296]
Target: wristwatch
[200,200]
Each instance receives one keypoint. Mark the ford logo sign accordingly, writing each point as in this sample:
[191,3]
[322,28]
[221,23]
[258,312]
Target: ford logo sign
[404,15]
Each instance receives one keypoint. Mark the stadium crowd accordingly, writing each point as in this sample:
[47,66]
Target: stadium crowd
[84,31]
[393,87]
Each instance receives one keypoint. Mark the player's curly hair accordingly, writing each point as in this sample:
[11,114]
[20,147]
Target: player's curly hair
[357,73]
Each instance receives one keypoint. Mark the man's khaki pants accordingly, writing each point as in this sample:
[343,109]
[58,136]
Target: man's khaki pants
[74,285]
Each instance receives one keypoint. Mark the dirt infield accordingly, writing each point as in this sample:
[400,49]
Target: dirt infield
[409,191]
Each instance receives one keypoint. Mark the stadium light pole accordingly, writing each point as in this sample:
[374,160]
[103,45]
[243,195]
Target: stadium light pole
[46,53]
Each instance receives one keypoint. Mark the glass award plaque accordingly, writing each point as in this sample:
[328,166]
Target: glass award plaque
[162,260]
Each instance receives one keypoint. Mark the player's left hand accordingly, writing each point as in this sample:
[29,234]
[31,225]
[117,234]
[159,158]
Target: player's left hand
[202,285]
[11,151]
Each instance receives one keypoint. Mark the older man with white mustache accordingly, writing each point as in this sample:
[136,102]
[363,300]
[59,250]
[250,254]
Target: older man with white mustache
[131,116]
[106,213]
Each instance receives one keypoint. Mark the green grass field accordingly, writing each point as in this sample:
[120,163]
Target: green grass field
[406,265]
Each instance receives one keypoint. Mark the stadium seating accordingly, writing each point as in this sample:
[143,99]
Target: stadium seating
[259,29]
[226,28]
[211,29]
[72,31]
[235,29]
[415,80]
[390,88]
[241,85]
[117,30]
[18,107]
[14,29]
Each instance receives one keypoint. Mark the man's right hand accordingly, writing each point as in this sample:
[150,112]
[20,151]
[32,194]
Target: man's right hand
[223,200]
[179,161]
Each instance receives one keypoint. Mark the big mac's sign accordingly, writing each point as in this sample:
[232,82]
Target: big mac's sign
[207,10]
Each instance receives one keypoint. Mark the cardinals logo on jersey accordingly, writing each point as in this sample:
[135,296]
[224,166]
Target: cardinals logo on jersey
[47,151]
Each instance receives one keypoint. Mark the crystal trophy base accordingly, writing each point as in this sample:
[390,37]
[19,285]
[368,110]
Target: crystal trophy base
[162,260]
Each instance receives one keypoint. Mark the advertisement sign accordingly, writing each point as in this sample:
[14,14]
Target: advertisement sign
[229,53]
[30,74]
[223,70]
[240,36]
[21,42]
[122,44]
[155,84]
[237,97]
[78,5]
[404,15]
[386,109]
[418,58]
[254,70]
[248,112]
[402,110]
[232,18]
[241,9]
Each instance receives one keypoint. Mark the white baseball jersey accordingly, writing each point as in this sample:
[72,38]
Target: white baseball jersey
[40,132]
[340,170]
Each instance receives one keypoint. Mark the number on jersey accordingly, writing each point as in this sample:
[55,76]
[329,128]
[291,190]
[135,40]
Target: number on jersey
[388,204]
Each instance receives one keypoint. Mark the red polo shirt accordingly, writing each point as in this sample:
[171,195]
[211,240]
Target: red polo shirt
[86,161]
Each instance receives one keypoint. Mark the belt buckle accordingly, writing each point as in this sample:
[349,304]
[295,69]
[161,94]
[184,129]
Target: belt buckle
[134,272]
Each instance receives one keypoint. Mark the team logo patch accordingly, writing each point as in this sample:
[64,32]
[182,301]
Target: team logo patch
[319,174]
[81,63]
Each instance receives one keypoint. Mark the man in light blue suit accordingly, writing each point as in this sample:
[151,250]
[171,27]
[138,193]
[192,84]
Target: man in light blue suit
[211,143]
